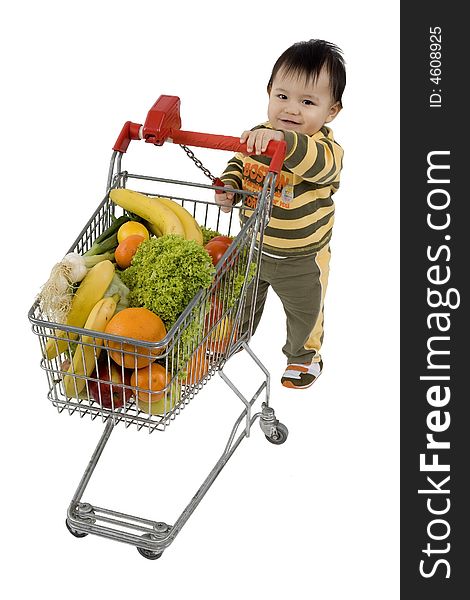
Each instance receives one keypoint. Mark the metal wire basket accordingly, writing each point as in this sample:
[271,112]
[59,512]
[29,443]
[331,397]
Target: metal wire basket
[206,333]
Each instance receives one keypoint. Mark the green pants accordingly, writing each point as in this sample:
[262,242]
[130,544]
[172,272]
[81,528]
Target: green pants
[300,283]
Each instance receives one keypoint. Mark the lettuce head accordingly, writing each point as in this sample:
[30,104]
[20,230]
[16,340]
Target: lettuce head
[166,273]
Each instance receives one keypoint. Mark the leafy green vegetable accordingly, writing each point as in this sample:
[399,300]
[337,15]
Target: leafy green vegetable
[191,338]
[107,245]
[208,234]
[238,282]
[117,287]
[107,241]
[166,273]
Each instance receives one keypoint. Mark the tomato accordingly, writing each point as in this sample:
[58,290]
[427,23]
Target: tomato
[126,249]
[216,250]
[222,238]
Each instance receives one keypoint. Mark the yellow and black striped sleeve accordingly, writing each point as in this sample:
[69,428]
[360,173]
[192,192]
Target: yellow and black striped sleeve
[233,172]
[316,158]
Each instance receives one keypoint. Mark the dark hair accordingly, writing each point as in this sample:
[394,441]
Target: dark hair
[308,59]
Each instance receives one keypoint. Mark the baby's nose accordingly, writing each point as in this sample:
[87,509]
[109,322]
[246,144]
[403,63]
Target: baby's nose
[292,108]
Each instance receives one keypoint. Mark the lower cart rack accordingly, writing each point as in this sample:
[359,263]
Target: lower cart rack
[152,537]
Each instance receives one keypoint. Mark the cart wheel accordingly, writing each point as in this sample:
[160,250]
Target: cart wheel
[150,554]
[280,436]
[74,532]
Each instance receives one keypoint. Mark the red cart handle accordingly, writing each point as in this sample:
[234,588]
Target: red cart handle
[163,124]
[276,150]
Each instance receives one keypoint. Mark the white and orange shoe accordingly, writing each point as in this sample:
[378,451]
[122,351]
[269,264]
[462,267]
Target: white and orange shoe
[300,376]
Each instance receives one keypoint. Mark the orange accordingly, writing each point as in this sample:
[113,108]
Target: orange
[132,228]
[126,249]
[154,378]
[139,324]
[197,367]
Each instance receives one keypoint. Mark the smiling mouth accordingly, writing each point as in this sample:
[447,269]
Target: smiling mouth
[289,122]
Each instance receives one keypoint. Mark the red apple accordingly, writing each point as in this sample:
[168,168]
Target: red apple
[109,390]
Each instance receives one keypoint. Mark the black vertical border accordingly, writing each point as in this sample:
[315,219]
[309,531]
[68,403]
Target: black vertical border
[424,129]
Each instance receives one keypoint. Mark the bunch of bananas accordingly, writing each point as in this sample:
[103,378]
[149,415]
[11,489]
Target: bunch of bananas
[86,353]
[163,215]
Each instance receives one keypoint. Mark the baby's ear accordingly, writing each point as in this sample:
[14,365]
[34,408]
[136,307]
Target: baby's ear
[333,112]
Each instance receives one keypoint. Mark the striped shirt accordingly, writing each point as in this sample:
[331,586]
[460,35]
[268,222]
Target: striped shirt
[303,209]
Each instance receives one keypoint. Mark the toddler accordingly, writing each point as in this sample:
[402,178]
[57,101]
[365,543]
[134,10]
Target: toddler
[305,91]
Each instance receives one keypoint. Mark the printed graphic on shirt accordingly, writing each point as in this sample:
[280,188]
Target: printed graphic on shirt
[253,179]
[303,213]
[287,194]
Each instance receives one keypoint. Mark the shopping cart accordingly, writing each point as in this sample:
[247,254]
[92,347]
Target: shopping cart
[203,336]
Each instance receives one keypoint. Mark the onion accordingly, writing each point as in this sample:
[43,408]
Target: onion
[77,267]
[55,298]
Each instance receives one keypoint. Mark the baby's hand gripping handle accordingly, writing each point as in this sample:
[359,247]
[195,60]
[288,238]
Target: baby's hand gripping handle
[276,150]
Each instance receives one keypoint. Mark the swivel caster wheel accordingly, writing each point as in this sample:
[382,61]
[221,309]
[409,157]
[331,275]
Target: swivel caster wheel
[150,554]
[74,532]
[280,436]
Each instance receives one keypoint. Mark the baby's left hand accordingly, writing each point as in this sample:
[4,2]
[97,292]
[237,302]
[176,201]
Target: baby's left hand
[260,138]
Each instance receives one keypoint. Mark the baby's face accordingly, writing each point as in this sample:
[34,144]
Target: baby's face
[300,106]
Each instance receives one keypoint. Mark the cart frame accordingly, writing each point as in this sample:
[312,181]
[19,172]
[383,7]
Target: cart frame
[152,537]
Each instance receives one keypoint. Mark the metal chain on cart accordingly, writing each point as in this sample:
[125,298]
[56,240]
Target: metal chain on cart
[199,164]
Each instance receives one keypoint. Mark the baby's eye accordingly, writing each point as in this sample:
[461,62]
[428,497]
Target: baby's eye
[308,102]
[282,97]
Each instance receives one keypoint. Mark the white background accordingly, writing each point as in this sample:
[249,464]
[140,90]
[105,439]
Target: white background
[314,518]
